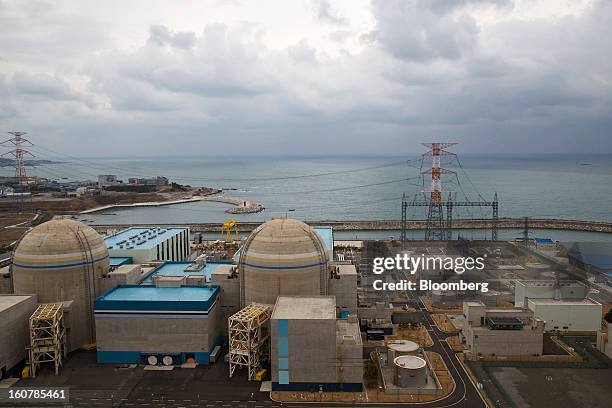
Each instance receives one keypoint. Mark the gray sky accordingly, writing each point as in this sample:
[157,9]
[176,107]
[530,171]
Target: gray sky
[307,76]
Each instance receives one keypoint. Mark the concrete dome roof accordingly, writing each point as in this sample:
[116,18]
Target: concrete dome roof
[284,243]
[59,243]
[282,257]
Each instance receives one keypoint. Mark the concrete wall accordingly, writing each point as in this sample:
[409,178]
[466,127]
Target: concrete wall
[229,293]
[65,285]
[481,340]
[380,310]
[123,275]
[141,333]
[545,290]
[349,365]
[15,312]
[6,285]
[345,289]
[484,341]
[311,350]
[569,317]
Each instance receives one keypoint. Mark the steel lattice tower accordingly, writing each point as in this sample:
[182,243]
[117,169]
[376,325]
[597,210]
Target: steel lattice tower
[248,342]
[18,141]
[436,228]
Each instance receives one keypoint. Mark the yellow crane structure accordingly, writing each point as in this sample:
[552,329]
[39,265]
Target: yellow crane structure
[227,228]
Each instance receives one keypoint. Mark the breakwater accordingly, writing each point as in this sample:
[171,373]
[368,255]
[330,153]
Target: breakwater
[358,225]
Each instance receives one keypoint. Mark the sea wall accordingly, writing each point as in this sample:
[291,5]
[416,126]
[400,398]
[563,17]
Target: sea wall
[503,223]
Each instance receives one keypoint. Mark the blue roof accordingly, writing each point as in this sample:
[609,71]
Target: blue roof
[141,238]
[120,260]
[597,254]
[136,297]
[544,241]
[178,269]
[327,235]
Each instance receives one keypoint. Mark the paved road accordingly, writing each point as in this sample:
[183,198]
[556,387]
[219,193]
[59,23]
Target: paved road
[465,394]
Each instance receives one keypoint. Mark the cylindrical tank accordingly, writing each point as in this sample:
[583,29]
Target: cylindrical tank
[410,371]
[282,257]
[61,260]
[401,348]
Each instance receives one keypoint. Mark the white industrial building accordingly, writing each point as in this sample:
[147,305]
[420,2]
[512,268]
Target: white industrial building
[582,315]
[150,244]
[501,331]
[548,289]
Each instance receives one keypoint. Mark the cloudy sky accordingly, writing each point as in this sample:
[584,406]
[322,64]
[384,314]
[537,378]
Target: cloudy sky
[125,78]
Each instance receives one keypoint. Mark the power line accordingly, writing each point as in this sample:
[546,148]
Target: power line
[341,188]
[302,176]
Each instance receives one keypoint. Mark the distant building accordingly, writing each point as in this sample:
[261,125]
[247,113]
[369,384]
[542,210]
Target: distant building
[86,191]
[106,180]
[501,331]
[151,181]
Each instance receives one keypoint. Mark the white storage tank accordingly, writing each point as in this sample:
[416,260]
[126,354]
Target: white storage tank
[401,348]
[410,371]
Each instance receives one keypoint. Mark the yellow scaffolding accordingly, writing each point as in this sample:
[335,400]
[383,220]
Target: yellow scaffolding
[227,228]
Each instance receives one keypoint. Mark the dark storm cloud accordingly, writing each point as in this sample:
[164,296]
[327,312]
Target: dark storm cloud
[424,70]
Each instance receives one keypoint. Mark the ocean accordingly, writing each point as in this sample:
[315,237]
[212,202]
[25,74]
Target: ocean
[356,188]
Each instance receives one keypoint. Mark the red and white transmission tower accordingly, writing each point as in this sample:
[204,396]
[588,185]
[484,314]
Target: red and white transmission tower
[18,141]
[435,218]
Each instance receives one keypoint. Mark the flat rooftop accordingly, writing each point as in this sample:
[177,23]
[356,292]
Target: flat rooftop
[120,260]
[569,302]
[305,307]
[547,283]
[139,297]
[8,301]
[347,269]
[140,237]
[347,332]
[179,269]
